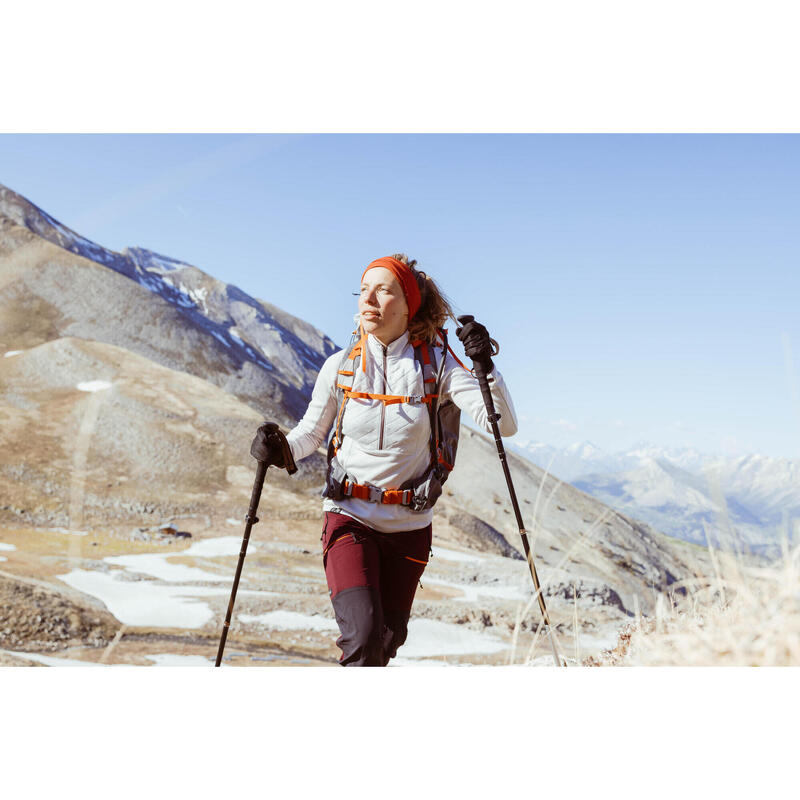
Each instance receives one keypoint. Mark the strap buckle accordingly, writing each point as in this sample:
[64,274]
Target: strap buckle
[375,494]
[347,489]
[407,497]
[415,398]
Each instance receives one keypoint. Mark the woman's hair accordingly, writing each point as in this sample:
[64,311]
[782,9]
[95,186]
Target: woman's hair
[434,310]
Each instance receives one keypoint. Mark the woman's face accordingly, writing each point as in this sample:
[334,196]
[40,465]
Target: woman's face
[382,305]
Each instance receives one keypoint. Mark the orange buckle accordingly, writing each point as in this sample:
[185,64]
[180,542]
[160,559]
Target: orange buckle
[374,494]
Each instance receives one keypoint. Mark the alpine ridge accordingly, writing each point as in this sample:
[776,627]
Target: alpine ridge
[251,348]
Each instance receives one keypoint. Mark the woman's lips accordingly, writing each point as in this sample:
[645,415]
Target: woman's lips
[370,315]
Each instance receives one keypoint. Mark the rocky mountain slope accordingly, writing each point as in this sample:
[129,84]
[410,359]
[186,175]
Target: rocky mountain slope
[55,283]
[125,425]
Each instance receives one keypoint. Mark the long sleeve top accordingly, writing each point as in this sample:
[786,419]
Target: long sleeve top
[386,445]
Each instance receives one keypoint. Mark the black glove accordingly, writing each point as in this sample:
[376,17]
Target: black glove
[477,344]
[270,446]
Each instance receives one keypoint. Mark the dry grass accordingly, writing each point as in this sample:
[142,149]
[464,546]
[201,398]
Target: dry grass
[742,615]
[744,611]
[560,657]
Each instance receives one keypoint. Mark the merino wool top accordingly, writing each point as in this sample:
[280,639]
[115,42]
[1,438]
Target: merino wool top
[386,445]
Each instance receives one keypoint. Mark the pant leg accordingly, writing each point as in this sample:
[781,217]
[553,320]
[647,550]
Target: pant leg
[404,558]
[352,568]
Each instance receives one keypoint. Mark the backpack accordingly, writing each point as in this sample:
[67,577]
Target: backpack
[420,493]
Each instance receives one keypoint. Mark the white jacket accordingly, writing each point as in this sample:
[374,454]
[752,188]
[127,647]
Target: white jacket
[386,445]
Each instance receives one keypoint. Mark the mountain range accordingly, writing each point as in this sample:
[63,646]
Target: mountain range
[740,501]
[179,316]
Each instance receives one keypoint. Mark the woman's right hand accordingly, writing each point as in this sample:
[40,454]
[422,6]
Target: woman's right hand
[270,447]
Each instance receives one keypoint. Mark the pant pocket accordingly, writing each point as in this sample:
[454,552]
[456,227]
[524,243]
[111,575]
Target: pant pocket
[324,527]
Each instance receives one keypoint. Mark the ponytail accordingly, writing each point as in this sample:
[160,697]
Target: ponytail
[434,310]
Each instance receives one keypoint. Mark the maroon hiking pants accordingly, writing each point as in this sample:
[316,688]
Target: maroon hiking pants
[372,577]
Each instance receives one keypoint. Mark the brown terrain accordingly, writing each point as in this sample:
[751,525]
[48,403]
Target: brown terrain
[125,475]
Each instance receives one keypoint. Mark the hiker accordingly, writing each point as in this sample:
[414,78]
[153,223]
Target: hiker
[387,460]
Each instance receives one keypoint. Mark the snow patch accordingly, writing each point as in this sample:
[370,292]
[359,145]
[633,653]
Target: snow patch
[3,558]
[428,637]
[159,659]
[157,566]
[178,660]
[472,591]
[93,386]
[232,521]
[454,555]
[149,603]
[220,546]
[6,546]
[220,338]
[10,353]
[144,602]
[290,621]
[158,606]
[591,643]
[52,661]
[198,295]
[154,262]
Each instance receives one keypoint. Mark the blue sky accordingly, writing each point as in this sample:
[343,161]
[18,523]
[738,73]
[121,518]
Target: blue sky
[642,287]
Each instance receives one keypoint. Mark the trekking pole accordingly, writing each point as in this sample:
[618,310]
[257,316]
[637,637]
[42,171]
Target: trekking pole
[251,519]
[493,417]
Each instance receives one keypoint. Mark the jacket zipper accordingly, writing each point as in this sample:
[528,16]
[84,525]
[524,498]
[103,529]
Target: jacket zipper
[383,405]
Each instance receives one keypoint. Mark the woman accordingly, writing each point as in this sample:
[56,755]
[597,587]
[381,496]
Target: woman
[383,398]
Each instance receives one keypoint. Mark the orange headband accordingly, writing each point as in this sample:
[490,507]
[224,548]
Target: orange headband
[406,279]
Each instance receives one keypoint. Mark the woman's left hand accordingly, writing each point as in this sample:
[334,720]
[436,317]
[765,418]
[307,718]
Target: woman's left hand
[476,341]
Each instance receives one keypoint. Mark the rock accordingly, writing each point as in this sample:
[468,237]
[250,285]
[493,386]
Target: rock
[587,591]
[34,616]
[483,537]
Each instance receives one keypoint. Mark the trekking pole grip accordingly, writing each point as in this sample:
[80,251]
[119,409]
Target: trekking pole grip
[486,392]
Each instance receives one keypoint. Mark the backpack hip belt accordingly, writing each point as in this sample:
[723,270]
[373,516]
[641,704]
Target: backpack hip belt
[366,491]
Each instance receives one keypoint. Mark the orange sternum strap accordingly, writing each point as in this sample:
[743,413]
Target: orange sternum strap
[388,399]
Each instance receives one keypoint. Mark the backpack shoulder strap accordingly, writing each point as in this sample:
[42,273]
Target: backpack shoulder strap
[353,354]
[447,418]
[425,356]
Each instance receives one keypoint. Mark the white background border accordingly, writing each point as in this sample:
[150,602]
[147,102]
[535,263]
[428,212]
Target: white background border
[422,67]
